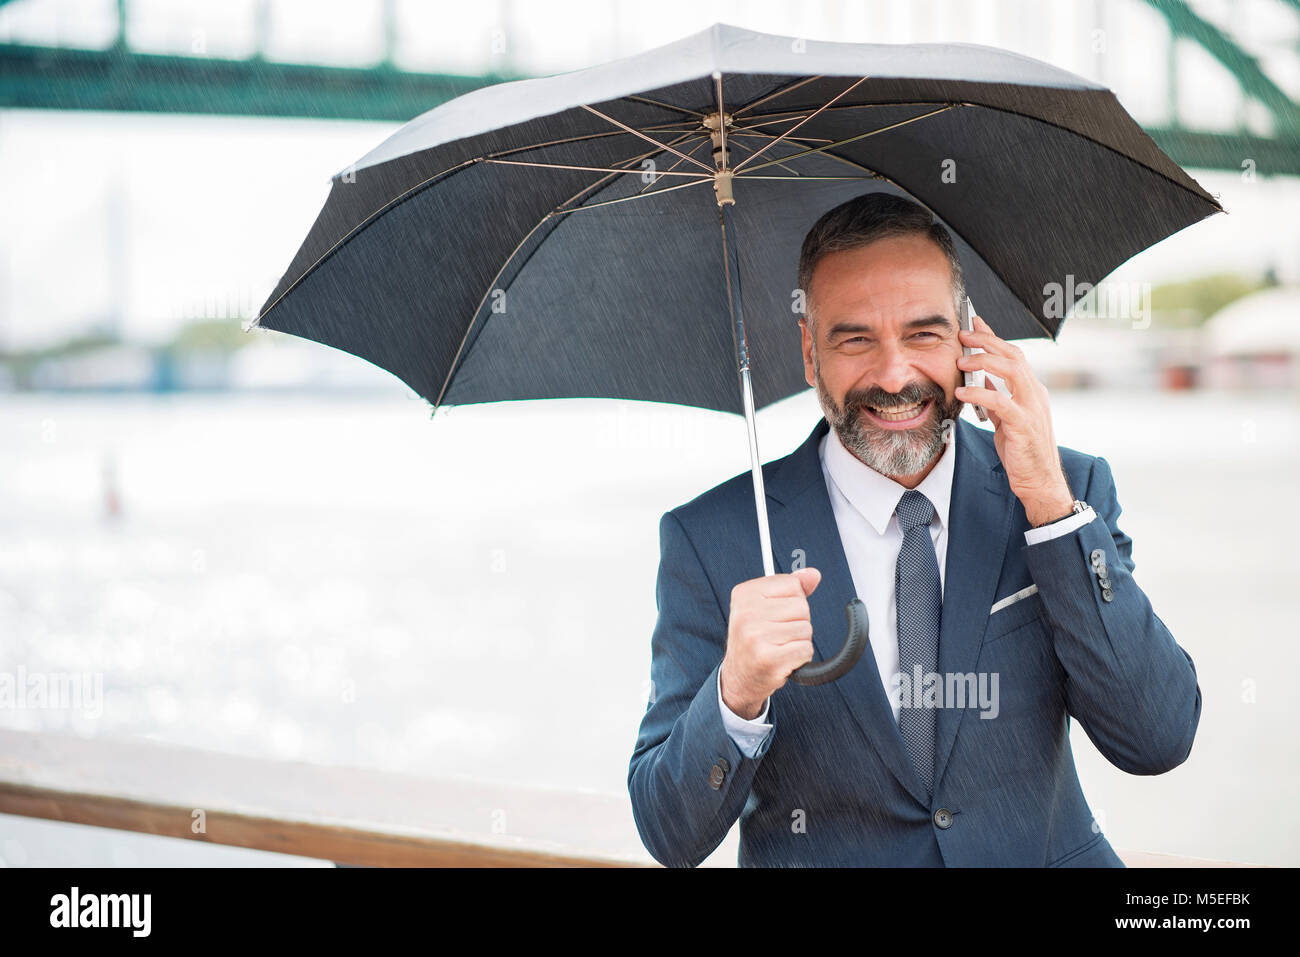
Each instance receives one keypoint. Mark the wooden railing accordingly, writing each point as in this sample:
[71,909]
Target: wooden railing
[351,816]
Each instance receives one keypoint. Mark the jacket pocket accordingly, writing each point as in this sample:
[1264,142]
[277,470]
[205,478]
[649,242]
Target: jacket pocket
[1016,615]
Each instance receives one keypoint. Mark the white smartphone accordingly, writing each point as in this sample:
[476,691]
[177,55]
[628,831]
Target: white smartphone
[974,379]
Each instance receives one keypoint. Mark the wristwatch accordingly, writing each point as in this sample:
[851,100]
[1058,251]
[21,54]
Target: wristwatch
[1075,508]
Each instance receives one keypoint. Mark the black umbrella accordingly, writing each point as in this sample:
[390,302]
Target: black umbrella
[585,235]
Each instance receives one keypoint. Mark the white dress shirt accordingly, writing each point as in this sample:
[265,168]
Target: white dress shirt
[863,501]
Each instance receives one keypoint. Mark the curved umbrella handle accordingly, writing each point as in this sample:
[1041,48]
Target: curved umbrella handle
[820,672]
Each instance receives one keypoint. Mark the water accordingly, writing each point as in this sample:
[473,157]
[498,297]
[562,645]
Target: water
[347,581]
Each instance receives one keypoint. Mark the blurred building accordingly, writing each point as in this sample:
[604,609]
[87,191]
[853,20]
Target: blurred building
[1254,342]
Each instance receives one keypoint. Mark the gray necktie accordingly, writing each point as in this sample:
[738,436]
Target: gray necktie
[920,608]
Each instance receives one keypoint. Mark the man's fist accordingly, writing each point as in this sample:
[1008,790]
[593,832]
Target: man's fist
[769,635]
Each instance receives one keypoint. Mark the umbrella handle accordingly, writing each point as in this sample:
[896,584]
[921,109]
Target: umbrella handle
[820,672]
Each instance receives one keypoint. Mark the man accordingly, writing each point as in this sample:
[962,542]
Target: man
[998,586]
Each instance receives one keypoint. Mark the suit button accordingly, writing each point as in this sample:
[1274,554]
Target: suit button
[1107,595]
[718,773]
[1103,581]
[943,818]
[1098,557]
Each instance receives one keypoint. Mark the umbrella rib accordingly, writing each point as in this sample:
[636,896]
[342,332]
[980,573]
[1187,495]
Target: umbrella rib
[648,139]
[847,90]
[703,139]
[780,117]
[782,165]
[594,169]
[835,156]
[631,159]
[771,96]
[799,176]
[638,195]
[666,106]
[748,131]
[722,119]
[665,127]
[851,139]
[784,119]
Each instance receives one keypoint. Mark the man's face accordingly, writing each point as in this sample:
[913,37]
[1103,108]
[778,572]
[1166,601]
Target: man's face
[886,339]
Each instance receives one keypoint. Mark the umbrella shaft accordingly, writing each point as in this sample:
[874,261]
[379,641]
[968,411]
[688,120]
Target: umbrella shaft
[731,270]
[756,465]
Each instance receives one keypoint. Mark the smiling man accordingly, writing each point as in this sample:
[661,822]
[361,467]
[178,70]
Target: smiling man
[984,577]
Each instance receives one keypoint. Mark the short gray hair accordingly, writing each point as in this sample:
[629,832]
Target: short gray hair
[863,220]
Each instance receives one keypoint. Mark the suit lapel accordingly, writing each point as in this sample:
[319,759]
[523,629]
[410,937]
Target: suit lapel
[979,518]
[803,526]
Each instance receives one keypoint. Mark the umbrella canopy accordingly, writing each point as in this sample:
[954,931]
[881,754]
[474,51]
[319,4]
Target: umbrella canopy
[484,252]
[586,235]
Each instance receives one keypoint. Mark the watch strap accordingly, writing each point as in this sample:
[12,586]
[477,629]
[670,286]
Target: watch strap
[1076,507]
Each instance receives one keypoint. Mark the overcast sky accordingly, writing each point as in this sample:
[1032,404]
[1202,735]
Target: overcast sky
[176,216]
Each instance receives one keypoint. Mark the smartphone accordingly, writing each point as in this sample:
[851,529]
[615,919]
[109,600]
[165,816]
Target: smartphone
[975,379]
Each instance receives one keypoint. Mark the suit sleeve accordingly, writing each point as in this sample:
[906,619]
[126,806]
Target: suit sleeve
[687,779]
[1128,682]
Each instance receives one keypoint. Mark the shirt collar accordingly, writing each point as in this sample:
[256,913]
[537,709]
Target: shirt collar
[876,496]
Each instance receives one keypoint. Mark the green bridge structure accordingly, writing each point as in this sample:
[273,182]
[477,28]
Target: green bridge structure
[119,78]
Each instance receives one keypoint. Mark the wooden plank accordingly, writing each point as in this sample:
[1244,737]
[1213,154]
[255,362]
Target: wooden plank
[348,815]
[348,845]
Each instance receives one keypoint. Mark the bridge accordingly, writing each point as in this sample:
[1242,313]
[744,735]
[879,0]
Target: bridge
[119,77]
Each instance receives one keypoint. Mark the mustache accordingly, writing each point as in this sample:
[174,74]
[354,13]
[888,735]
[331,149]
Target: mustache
[880,399]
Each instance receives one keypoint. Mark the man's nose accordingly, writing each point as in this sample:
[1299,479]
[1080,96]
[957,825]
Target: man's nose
[893,372]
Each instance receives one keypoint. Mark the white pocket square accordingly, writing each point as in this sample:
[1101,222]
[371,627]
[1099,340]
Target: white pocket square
[1012,599]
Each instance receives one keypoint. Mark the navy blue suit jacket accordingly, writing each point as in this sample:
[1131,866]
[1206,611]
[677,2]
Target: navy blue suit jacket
[832,783]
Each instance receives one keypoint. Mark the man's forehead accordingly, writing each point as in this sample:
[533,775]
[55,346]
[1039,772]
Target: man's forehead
[862,282]
[881,307]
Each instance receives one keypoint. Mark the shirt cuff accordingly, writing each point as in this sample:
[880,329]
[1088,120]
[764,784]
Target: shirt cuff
[1056,529]
[747,734]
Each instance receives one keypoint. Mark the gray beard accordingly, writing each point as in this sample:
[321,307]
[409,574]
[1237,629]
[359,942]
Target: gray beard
[891,452]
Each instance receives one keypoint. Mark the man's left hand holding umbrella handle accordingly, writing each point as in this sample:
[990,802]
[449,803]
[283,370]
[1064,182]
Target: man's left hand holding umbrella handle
[1128,682]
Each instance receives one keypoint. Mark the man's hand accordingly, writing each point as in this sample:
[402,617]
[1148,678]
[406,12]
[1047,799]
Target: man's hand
[769,635]
[1022,423]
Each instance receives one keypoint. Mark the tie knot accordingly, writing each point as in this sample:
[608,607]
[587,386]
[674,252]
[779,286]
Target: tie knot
[914,510]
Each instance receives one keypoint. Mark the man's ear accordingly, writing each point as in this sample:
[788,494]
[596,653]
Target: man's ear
[808,374]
